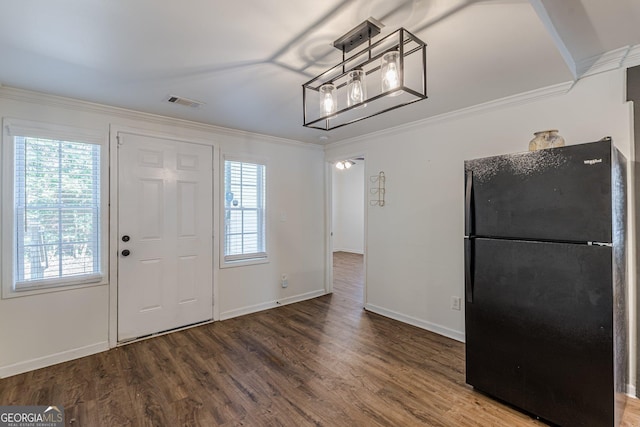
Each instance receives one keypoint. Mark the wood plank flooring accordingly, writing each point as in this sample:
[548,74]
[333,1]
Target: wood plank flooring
[323,362]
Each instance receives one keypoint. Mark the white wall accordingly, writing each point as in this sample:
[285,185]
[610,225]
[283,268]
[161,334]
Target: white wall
[348,208]
[415,242]
[296,234]
[40,330]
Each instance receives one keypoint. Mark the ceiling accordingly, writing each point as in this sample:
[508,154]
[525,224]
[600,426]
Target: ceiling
[246,61]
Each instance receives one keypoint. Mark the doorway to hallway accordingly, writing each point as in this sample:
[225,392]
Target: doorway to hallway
[348,209]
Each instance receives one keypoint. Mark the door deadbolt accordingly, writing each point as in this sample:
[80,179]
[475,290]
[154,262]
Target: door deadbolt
[126,238]
[126,252]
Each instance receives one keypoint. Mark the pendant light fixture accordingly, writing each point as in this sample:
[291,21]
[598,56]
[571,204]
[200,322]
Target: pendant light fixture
[379,77]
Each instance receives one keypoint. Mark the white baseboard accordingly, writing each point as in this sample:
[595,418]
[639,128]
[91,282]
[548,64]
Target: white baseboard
[271,304]
[302,297]
[432,327]
[631,391]
[351,251]
[52,359]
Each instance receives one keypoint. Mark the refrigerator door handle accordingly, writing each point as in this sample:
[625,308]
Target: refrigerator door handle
[468,269]
[468,195]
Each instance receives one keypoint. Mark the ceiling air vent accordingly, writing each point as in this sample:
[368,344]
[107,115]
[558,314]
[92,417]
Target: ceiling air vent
[184,101]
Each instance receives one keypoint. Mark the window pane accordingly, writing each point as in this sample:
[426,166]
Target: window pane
[57,209]
[250,221]
[244,210]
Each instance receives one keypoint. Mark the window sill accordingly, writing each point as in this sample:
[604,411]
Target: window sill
[244,262]
[8,292]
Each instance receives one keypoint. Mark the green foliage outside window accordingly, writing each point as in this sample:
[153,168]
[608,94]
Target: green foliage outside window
[57,208]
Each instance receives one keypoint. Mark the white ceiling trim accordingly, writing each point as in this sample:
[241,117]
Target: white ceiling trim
[608,61]
[39,98]
[633,57]
[506,102]
[553,33]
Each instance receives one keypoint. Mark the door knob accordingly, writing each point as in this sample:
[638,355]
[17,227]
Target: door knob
[126,238]
[126,252]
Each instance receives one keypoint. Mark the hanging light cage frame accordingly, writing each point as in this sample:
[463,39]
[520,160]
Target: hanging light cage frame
[412,53]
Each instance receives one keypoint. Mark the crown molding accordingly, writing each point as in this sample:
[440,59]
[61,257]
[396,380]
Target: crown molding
[23,95]
[509,101]
[624,57]
[608,61]
[633,57]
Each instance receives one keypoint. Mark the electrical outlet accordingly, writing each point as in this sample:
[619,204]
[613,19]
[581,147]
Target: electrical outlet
[284,281]
[455,303]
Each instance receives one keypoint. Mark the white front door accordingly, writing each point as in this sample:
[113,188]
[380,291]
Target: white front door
[165,234]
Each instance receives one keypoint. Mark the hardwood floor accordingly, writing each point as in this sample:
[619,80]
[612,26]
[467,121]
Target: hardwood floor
[323,362]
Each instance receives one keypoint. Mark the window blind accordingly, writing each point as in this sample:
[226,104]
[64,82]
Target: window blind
[57,211]
[244,211]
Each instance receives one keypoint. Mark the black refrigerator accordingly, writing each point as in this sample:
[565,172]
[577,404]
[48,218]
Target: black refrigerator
[545,282]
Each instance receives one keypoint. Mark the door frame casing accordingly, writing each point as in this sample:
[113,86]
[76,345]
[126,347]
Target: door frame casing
[632,89]
[114,131]
[328,215]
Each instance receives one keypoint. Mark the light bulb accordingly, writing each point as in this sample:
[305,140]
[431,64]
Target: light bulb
[391,76]
[328,101]
[390,71]
[356,87]
[344,164]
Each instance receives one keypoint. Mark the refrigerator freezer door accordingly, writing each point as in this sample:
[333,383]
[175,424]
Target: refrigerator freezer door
[560,194]
[539,330]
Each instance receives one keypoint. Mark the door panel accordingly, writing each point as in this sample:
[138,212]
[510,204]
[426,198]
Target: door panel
[561,194]
[539,331]
[165,205]
[151,208]
[187,209]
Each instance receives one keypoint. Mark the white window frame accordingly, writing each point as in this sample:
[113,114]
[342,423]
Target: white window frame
[249,259]
[17,127]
